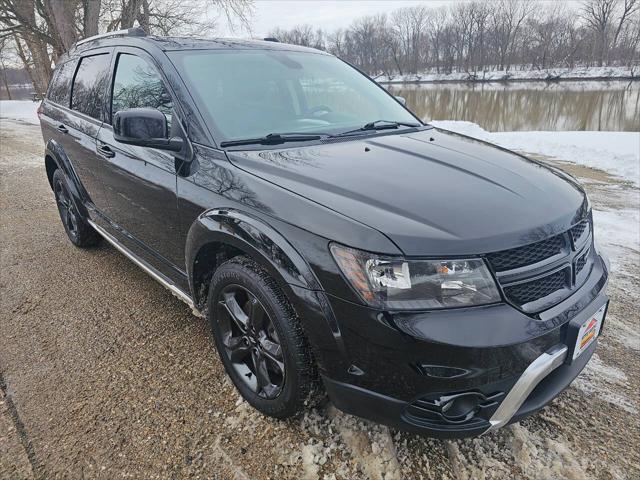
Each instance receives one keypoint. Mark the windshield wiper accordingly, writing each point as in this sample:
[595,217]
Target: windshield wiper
[274,139]
[380,125]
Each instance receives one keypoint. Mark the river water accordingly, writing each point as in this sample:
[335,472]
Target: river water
[516,106]
[584,105]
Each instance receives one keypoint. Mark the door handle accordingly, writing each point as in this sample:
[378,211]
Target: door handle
[63,129]
[106,151]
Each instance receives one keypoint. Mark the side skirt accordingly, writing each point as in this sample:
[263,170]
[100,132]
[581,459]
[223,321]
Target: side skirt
[156,275]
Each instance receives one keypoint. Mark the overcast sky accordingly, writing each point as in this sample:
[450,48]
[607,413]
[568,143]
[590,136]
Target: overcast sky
[328,14]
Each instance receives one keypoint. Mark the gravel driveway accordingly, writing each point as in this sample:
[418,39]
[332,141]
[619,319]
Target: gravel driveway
[104,374]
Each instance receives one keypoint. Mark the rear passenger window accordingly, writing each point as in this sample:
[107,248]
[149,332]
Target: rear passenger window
[89,86]
[60,88]
[137,84]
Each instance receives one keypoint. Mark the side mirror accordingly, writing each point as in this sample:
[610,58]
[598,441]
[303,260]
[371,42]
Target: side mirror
[145,127]
[402,100]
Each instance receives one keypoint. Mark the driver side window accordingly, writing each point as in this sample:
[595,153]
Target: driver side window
[137,84]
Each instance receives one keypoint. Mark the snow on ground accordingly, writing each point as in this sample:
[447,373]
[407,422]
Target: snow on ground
[577,73]
[603,380]
[617,153]
[22,110]
[538,85]
[618,231]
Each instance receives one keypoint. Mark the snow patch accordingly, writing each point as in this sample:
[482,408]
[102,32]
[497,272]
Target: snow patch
[21,110]
[577,73]
[538,85]
[618,234]
[600,379]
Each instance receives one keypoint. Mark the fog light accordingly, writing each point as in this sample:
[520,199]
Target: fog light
[461,406]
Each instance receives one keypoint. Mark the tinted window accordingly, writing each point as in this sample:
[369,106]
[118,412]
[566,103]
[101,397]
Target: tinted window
[137,84]
[253,93]
[89,86]
[60,88]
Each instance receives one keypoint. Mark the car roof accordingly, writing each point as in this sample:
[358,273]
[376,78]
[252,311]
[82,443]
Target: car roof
[184,43]
[137,38]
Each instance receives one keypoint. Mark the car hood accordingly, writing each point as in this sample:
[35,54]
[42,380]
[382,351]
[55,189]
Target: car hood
[431,192]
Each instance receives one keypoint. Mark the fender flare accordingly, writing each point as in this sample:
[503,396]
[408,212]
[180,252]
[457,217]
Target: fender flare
[55,151]
[253,236]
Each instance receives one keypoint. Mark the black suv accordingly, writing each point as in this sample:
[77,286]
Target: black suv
[423,279]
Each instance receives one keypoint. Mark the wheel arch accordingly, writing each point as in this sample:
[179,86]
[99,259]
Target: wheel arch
[56,158]
[51,166]
[220,234]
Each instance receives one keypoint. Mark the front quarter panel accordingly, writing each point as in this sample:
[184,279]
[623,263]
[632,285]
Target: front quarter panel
[212,183]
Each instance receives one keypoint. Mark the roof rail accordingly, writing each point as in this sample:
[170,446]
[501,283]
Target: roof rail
[271,39]
[129,32]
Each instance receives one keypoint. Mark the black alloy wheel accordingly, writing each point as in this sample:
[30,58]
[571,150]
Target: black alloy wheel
[251,341]
[67,209]
[78,230]
[260,340]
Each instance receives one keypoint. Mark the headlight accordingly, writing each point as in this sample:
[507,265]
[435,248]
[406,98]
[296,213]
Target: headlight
[397,283]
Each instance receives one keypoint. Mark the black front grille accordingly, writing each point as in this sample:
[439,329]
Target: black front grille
[524,274]
[527,255]
[528,292]
[581,262]
[578,230]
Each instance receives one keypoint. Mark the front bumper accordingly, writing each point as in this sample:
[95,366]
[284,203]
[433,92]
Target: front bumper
[393,412]
[459,373]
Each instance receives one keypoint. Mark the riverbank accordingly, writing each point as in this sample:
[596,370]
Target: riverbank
[525,75]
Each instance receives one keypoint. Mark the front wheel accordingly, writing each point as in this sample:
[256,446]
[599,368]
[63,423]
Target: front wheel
[259,339]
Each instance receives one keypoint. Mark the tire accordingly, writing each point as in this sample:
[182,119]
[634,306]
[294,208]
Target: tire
[80,233]
[242,283]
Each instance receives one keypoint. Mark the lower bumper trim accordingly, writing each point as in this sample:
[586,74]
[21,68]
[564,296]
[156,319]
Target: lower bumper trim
[530,378]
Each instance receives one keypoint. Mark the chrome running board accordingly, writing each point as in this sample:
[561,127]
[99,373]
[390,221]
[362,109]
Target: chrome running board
[530,378]
[157,276]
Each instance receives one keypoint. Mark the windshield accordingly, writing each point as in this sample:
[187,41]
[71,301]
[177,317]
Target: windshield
[252,93]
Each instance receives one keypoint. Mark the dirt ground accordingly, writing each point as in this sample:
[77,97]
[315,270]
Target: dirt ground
[104,374]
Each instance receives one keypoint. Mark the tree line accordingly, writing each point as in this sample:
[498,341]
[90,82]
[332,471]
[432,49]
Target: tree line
[471,36]
[478,36]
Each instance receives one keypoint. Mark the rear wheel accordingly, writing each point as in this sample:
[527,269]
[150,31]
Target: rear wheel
[259,339]
[78,230]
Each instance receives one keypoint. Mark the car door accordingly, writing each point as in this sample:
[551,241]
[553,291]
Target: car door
[140,182]
[74,112]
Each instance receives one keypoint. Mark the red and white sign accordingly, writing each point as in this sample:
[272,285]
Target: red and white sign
[589,332]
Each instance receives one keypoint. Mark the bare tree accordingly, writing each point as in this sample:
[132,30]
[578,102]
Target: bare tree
[4,53]
[437,22]
[303,35]
[409,27]
[598,15]
[91,17]
[507,19]
[629,7]
[45,29]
